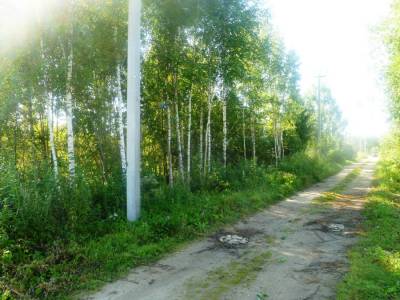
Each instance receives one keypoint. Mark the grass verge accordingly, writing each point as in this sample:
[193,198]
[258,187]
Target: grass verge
[170,218]
[375,261]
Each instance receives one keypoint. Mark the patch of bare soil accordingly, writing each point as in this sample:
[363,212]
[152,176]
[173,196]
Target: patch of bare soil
[291,251]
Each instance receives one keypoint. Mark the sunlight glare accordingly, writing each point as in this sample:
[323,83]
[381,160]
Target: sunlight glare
[19,19]
[335,38]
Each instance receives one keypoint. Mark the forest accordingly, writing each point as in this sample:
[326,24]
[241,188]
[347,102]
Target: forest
[225,133]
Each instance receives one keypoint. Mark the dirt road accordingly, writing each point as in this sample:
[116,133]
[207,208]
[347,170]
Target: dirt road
[295,250]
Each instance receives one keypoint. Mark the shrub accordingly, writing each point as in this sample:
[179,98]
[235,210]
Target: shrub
[55,235]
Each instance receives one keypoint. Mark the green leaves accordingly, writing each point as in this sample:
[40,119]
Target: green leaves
[390,30]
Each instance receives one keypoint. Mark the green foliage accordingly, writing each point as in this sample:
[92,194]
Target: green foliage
[391,33]
[342,155]
[375,262]
[59,232]
[75,248]
[314,170]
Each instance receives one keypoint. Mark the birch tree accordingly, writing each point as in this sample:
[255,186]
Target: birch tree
[169,141]
[69,107]
[50,115]
[121,127]
[189,136]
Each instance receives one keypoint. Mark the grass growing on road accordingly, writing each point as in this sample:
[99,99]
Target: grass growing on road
[221,280]
[375,261]
[336,191]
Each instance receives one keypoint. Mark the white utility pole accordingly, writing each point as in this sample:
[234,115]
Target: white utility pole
[133,112]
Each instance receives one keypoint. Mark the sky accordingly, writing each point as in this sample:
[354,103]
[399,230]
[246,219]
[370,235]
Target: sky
[337,39]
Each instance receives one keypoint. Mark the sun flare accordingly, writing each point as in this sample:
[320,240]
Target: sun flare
[20,19]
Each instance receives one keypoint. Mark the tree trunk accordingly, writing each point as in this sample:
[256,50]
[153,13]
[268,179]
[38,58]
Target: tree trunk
[201,141]
[170,170]
[253,137]
[120,105]
[244,137]
[225,129]
[31,129]
[276,150]
[43,135]
[16,138]
[189,136]
[50,115]
[179,140]
[178,129]
[282,144]
[205,168]
[281,114]
[51,136]
[210,96]
[69,113]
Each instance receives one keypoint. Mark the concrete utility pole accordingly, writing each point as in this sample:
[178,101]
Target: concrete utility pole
[133,112]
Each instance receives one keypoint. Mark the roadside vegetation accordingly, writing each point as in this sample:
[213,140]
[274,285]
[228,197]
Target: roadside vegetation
[375,262]
[112,246]
[225,132]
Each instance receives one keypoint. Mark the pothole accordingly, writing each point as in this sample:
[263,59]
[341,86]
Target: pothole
[236,238]
[325,226]
[336,227]
[233,240]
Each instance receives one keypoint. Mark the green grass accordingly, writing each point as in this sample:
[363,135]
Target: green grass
[375,261]
[221,280]
[170,219]
[339,188]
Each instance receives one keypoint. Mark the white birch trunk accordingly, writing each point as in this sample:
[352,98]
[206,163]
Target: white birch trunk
[205,168]
[51,136]
[244,137]
[189,136]
[120,105]
[178,135]
[282,145]
[253,137]
[209,133]
[225,129]
[69,114]
[281,114]
[278,140]
[207,148]
[276,144]
[170,167]
[201,142]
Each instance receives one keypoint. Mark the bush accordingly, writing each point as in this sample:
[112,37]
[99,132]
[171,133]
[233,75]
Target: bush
[57,236]
[375,261]
[340,156]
